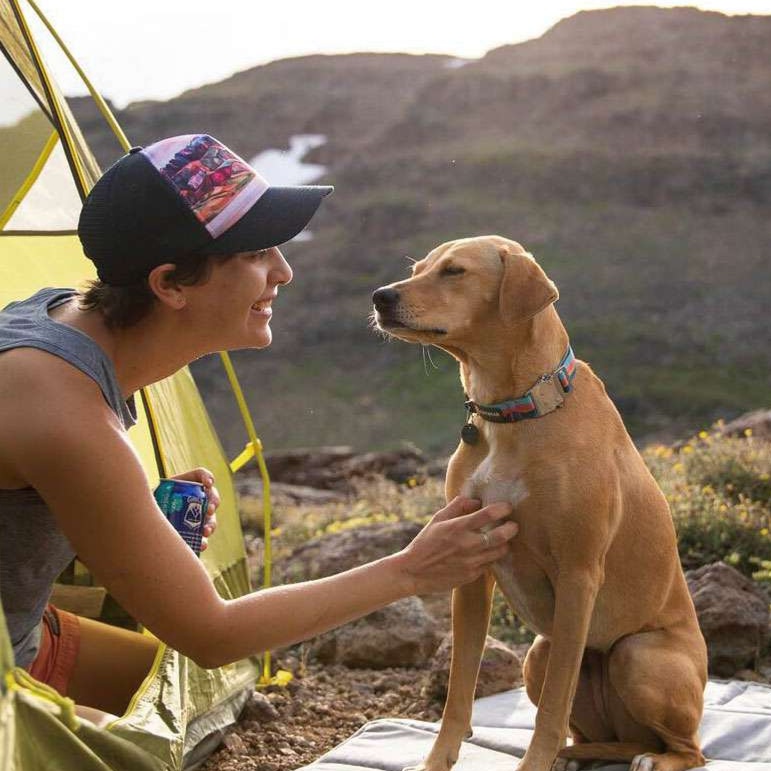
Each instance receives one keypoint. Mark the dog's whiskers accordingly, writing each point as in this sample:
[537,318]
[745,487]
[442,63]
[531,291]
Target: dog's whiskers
[372,320]
[426,352]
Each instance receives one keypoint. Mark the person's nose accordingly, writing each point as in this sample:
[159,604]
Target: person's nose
[282,273]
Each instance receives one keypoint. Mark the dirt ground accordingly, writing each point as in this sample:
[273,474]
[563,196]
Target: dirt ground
[286,728]
[315,712]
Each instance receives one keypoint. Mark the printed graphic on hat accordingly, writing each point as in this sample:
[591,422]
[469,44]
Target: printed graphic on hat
[207,175]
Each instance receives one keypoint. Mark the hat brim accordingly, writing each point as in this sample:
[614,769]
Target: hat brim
[277,217]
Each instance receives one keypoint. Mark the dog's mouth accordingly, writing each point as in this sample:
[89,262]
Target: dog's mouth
[392,325]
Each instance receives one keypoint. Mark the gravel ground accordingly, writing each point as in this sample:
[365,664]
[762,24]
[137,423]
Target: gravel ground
[286,728]
[283,729]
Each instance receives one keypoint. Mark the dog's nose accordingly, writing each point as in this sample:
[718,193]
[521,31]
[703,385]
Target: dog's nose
[385,297]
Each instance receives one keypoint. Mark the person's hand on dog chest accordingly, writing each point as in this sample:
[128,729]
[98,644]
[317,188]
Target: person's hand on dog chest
[459,543]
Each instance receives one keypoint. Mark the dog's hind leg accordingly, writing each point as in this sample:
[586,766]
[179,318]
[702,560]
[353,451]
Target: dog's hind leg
[591,726]
[471,605]
[660,678]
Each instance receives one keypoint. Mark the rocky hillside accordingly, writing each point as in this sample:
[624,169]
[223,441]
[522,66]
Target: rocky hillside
[627,148]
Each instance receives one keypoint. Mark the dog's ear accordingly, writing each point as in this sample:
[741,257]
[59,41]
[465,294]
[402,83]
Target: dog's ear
[525,288]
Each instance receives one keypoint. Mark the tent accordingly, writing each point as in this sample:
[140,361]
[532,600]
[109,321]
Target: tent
[180,709]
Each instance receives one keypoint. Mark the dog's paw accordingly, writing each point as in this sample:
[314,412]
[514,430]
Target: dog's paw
[425,766]
[563,764]
[431,764]
[643,762]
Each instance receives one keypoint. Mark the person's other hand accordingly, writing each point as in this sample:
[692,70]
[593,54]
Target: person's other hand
[452,548]
[206,478]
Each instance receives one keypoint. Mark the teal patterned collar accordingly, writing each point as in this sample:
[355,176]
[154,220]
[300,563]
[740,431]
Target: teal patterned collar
[544,397]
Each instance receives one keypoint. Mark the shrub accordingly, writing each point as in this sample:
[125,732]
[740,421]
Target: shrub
[720,496]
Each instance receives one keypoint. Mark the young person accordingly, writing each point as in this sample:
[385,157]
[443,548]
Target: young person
[184,237]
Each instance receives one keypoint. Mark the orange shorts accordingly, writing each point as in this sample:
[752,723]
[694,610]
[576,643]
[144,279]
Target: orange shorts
[59,646]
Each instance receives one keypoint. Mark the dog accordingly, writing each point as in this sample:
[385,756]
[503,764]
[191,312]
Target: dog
[619,662]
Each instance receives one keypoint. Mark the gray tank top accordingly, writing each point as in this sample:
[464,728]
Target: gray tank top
[33,550]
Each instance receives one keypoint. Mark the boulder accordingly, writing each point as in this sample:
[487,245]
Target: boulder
[500,670]
[402,634]
[336,468]
[758,421]
[733,616]
[282,493]
[335,552]
[258,709]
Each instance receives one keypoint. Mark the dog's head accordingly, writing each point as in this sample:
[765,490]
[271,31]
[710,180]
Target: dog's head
[462,287]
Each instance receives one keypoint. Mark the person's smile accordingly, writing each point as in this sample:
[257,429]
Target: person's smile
[263,307]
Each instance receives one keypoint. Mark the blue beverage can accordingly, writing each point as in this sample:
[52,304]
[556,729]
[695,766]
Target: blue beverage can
[184,504]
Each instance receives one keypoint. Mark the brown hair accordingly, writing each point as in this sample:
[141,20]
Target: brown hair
[124,306]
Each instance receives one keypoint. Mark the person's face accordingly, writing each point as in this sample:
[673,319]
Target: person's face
[234,307]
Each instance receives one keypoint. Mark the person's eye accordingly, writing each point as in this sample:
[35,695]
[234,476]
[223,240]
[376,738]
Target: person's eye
[452,270]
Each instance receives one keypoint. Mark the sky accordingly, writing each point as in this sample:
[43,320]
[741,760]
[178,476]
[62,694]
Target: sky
[156,49]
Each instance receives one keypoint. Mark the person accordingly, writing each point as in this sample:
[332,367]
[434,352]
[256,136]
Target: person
[188,264]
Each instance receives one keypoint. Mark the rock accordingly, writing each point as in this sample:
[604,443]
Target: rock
[437,468]
[234,743]
[733,616]
[750,675]
[758,421]
[500,670]
[259,708]
[280,492]
[334,468]
[402,634]
[333,553]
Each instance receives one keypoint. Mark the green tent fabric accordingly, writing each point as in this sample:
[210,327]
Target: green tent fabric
[179,711]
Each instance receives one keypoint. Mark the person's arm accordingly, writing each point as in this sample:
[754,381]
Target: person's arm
[68,445]
[447,552]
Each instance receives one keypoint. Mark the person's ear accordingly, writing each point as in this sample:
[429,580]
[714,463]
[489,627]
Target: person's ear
[168,291]
[525,289]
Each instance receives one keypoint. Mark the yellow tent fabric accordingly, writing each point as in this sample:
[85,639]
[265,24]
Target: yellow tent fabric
[180,707]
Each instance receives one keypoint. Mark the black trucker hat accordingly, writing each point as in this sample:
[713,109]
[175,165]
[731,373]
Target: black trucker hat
[185,195]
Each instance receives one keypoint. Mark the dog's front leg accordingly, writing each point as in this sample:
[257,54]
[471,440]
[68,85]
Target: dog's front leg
[575,594]
[470,617]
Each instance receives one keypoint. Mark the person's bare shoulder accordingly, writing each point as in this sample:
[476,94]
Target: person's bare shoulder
[42,397]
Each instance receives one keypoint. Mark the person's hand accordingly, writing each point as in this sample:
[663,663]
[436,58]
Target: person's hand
[452,548]
[206,478]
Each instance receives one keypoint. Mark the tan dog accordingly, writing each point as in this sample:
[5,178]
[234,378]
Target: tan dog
[619,661]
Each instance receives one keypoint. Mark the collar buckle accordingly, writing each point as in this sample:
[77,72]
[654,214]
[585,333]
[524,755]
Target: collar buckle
[547,394]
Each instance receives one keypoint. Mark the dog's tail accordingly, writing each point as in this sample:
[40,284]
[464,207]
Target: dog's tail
[618,751]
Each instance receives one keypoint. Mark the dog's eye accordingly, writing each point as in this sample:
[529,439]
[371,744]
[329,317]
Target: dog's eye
[452,270]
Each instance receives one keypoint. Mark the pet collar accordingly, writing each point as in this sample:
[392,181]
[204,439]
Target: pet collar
[544,397]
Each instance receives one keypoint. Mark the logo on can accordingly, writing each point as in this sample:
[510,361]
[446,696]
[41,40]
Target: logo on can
[184,504]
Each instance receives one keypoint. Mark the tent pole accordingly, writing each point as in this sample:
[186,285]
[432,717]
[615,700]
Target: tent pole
[59,121]
[30,180]
[254,450]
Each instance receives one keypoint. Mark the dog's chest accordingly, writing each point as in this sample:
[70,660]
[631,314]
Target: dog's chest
[495,479]
[520,575]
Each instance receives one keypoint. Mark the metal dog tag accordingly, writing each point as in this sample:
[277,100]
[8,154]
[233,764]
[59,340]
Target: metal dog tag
[469,433]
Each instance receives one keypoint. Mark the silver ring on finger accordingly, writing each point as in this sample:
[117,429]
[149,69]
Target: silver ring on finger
[487,542]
